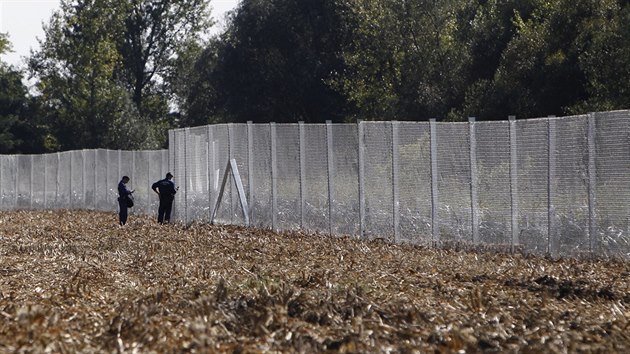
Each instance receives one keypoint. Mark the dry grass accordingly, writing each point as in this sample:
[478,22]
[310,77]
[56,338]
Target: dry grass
[73,281]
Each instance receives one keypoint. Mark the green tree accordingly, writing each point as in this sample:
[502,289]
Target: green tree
[153,32]
[561,57]
[102,65]
[403,59]
[191,81]
[275,62]
[605,58]
[19,128]
[87,108]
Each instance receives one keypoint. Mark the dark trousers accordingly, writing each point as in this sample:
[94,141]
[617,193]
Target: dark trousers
[122,214]
[164,210]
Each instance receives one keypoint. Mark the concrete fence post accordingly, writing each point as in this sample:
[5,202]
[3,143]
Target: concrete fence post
[474,202]
[592,186]
[361,153]
[551,178]
[395,187]
[302,147]
[330,172]
[274,173]
[514,181]
[435,220]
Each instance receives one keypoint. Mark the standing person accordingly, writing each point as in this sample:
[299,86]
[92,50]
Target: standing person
[165,188]
[124,195]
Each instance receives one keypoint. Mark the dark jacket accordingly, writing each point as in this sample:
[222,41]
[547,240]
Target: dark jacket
[122,189]
[166,188]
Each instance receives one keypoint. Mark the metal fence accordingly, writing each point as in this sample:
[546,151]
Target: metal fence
[81,179]
[550,185]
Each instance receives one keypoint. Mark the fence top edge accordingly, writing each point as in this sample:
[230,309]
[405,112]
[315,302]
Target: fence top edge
[419,122]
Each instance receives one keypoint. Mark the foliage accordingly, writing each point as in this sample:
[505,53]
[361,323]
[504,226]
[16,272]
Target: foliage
[19,129]
[273,63]
[118,73]
[101,70]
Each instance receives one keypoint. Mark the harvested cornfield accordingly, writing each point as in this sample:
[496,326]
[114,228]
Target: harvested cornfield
[73,281]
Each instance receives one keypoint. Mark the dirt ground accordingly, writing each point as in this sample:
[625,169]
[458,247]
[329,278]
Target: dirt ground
[73,281]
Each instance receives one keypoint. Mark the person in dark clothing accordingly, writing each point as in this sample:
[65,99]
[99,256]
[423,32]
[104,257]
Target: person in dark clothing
[166,189]
[123,194]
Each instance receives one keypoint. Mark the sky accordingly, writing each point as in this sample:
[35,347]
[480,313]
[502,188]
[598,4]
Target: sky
[23,19]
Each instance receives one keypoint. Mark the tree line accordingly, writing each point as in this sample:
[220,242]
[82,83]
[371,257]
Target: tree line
[119,73]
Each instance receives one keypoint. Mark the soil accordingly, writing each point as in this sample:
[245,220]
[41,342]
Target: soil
[74,281]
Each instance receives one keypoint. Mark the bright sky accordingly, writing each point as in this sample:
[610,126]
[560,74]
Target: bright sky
[23,19]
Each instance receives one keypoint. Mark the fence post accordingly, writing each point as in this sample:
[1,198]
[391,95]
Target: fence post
[250,169]
[592,192]
[45,158]
[302,171]
[330,170]
[32,157]
[210,169]
[230,133]
[360,131]
[69,206]
[435,228]
[274,205]
[474,202]
[514,181]
[57,181]
[1,184]
[551,177]
[186,175]
[170,167]
[96,188]
[83,191]
[395,172]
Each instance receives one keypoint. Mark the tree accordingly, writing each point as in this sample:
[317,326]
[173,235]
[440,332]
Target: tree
[153,32]
[275,62]
[403,59]
[19,131]
[101,69]
[605,59]
[562,57]
[191,81]
[87,108]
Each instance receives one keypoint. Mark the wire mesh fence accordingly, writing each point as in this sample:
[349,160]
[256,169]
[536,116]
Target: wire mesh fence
[549,185]
[557,186]
[81,179]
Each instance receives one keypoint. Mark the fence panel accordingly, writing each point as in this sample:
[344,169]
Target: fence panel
[196,175]
[533,193]
[240,152]
[316,205]
[101,180]
[288,176]
[38,197]
[453,161]
[571,197]
[493,182]
[179,175]
[378,180]
[345,217]
[51,182]
[613,182]
[415,182]
[8,178]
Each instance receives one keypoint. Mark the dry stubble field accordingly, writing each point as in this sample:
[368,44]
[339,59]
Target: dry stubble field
[73,281]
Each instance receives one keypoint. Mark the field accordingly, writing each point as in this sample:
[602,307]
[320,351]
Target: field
[73,281]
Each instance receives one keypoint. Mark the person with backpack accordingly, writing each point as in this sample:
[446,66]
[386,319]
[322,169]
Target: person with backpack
[125,200]
[165,188]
